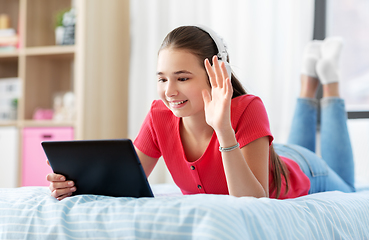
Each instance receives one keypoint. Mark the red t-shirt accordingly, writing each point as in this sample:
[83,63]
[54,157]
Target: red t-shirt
[160,136]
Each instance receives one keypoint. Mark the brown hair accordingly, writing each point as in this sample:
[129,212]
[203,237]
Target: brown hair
[199,43]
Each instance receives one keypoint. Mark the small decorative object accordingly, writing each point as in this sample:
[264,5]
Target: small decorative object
[10,89]
[65,27]
[59,35]
[43,114]
[64,106]
[69,22]
[4,21]
[59,27]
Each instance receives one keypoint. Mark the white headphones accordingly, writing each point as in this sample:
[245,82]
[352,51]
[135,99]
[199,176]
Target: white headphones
[222,52]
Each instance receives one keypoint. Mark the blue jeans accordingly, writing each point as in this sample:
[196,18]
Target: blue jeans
[336,171]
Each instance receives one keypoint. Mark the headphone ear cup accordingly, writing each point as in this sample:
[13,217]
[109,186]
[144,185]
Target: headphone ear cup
[222,52]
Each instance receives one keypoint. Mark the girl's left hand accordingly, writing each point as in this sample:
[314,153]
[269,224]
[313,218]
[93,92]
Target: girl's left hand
[218,103]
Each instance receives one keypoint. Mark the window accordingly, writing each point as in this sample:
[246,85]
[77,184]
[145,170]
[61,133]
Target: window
[350,19]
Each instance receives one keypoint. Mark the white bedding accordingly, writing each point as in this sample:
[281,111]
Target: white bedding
[30,213]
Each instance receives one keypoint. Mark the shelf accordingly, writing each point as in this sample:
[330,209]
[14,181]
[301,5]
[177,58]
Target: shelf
[45,123]
[95,70]
[53,51]
[36,123]
[50,50]
[9,55]
[8,123]
[53,72]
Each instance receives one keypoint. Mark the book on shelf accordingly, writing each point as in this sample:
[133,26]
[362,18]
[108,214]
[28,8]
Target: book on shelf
[8,36]
[7,32]
[8,39]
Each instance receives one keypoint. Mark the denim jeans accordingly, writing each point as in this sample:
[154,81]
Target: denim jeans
[335,169]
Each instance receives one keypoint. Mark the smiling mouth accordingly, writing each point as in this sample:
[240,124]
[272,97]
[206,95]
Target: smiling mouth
[178,103]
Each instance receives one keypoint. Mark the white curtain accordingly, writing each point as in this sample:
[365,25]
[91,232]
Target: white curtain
[265,41]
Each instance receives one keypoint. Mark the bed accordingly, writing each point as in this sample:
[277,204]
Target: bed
[30,213]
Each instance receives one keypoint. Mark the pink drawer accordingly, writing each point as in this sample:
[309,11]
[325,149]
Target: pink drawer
[34,166]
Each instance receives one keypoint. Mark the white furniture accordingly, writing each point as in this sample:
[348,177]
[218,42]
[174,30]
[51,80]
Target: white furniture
[9,157]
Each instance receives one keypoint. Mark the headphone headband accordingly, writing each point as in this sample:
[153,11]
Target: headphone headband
[222,52]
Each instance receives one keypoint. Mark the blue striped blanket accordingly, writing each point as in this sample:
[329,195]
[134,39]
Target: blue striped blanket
[30,213]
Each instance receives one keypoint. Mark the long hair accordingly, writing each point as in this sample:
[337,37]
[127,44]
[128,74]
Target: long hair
[199,43]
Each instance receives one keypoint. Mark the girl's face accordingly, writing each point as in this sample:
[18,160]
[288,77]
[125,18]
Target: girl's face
[181,79]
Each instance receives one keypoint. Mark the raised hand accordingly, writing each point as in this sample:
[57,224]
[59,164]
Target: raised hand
[218,102]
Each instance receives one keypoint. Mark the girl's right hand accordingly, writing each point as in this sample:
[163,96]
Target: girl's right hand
[60,188]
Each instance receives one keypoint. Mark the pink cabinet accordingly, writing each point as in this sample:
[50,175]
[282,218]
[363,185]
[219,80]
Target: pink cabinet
[34,166]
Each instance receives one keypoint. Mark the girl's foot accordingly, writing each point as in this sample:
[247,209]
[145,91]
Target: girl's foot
[310,57]
[321,62]
[327,67]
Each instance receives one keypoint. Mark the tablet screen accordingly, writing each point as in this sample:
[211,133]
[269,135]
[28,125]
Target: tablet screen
[100,167]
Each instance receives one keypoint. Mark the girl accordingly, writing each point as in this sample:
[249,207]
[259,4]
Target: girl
[215,138]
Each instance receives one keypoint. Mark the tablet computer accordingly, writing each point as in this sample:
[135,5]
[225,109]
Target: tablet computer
[100,167]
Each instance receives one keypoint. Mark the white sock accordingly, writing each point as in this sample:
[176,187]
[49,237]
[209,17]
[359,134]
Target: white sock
[327,66]
[311,55]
